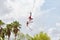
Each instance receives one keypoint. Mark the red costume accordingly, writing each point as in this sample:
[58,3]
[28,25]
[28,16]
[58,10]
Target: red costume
[30,18]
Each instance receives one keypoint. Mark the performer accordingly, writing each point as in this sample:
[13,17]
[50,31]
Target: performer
[29,19]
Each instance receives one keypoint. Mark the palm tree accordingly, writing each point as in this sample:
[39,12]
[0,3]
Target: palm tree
[1,29]
[8,30]
[1,23]
[16,27]
[3,32]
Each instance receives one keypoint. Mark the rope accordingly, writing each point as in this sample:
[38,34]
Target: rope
[33,5]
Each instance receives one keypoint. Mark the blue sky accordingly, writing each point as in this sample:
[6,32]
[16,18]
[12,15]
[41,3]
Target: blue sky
[46,14]
[52,18]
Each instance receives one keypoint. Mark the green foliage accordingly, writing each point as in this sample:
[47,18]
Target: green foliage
[22,36]
[1,22]
[28,37]
[9,26]
[16,24]
[41,36]
[14,27]
[3,32]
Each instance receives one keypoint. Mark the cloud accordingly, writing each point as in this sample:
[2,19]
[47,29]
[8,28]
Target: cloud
[58,24]
[3,8]
[20,10]
[51,30]
[48,10]
[37,12]
[54,33]
[22,7]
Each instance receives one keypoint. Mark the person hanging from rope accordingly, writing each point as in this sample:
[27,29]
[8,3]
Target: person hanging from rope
[29,19]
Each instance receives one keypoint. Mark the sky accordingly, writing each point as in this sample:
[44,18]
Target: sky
[46,15]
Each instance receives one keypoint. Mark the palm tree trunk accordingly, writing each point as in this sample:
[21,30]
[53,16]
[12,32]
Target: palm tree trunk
[15,37]
[3,38]
[0,26]
[8,38]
